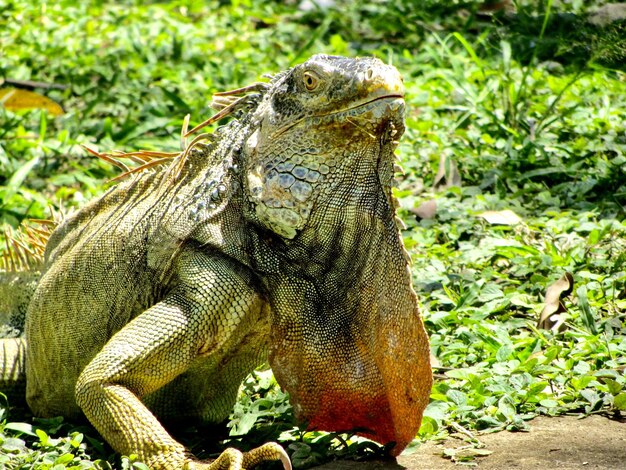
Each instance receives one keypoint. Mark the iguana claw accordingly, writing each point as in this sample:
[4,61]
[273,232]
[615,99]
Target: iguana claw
[233,459]
[268,451]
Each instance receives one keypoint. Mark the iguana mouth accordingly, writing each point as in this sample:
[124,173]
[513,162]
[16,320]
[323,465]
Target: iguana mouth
[363,106]
[355,110]
[378,98]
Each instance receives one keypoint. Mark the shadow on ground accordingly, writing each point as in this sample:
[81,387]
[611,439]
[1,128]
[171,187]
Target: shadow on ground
[563,443]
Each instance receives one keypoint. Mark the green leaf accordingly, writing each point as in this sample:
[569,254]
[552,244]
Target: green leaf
[536,388]
[13,445]
[582,368]
[506,55]
[428,426]
[457,397]
[437,410]
[620,401]
[18,177]
[549,403]
[245,424]
[64,459]
[77,439]
[613,386]
[506,406]
[504,353]
[585,310]
[486,422]
[177,101]
[43,437]
[470,50]
[590,395]
[23,428]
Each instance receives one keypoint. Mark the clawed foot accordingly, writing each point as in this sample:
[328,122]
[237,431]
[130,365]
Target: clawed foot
[233,459]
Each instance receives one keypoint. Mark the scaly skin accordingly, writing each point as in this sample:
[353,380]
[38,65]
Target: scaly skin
[276,239]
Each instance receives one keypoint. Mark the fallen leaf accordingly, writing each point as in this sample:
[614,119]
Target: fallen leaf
[426,210]
[505,217]
[465,454]
[434,361]
[447,175]
[15,99]
[494,6]
[552,316]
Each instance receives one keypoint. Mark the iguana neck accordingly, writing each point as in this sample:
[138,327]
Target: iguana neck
[345,336]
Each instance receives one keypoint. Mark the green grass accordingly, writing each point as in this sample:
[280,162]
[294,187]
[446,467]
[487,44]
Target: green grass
[532,130]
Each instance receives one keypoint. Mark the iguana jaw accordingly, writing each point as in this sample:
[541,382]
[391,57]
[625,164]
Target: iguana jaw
[354,110]
[372,112]
[283,201]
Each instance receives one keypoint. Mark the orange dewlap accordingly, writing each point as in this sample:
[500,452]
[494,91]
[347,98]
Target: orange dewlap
[378,391]
[389,412]
[343,412]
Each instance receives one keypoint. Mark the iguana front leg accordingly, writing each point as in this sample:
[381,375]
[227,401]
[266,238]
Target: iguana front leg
[200,315]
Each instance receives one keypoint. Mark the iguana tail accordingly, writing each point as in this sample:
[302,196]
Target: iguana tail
[16,290]
[20,266]
[13,369]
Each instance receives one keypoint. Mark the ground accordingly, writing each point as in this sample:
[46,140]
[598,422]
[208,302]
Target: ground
[563,442]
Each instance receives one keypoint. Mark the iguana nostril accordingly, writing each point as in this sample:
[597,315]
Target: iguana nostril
[369,74]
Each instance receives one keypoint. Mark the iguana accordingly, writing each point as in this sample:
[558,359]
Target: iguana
[274,237]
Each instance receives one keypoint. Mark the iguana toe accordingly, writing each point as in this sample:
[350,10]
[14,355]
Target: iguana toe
[266,452]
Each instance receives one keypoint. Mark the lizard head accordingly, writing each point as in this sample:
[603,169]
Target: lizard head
[311,118]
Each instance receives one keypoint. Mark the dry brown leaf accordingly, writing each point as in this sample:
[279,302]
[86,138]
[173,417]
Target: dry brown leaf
[552,316]
[426,210]
[505,217]
[15,99]
[447,174]
[434,361]
[489,7]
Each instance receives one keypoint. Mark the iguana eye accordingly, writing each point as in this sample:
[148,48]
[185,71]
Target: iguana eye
[311,80]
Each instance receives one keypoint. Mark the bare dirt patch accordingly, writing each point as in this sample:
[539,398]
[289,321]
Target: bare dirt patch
[563,442]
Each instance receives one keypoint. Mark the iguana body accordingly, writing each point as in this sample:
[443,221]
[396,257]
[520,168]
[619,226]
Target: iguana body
[278,237]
